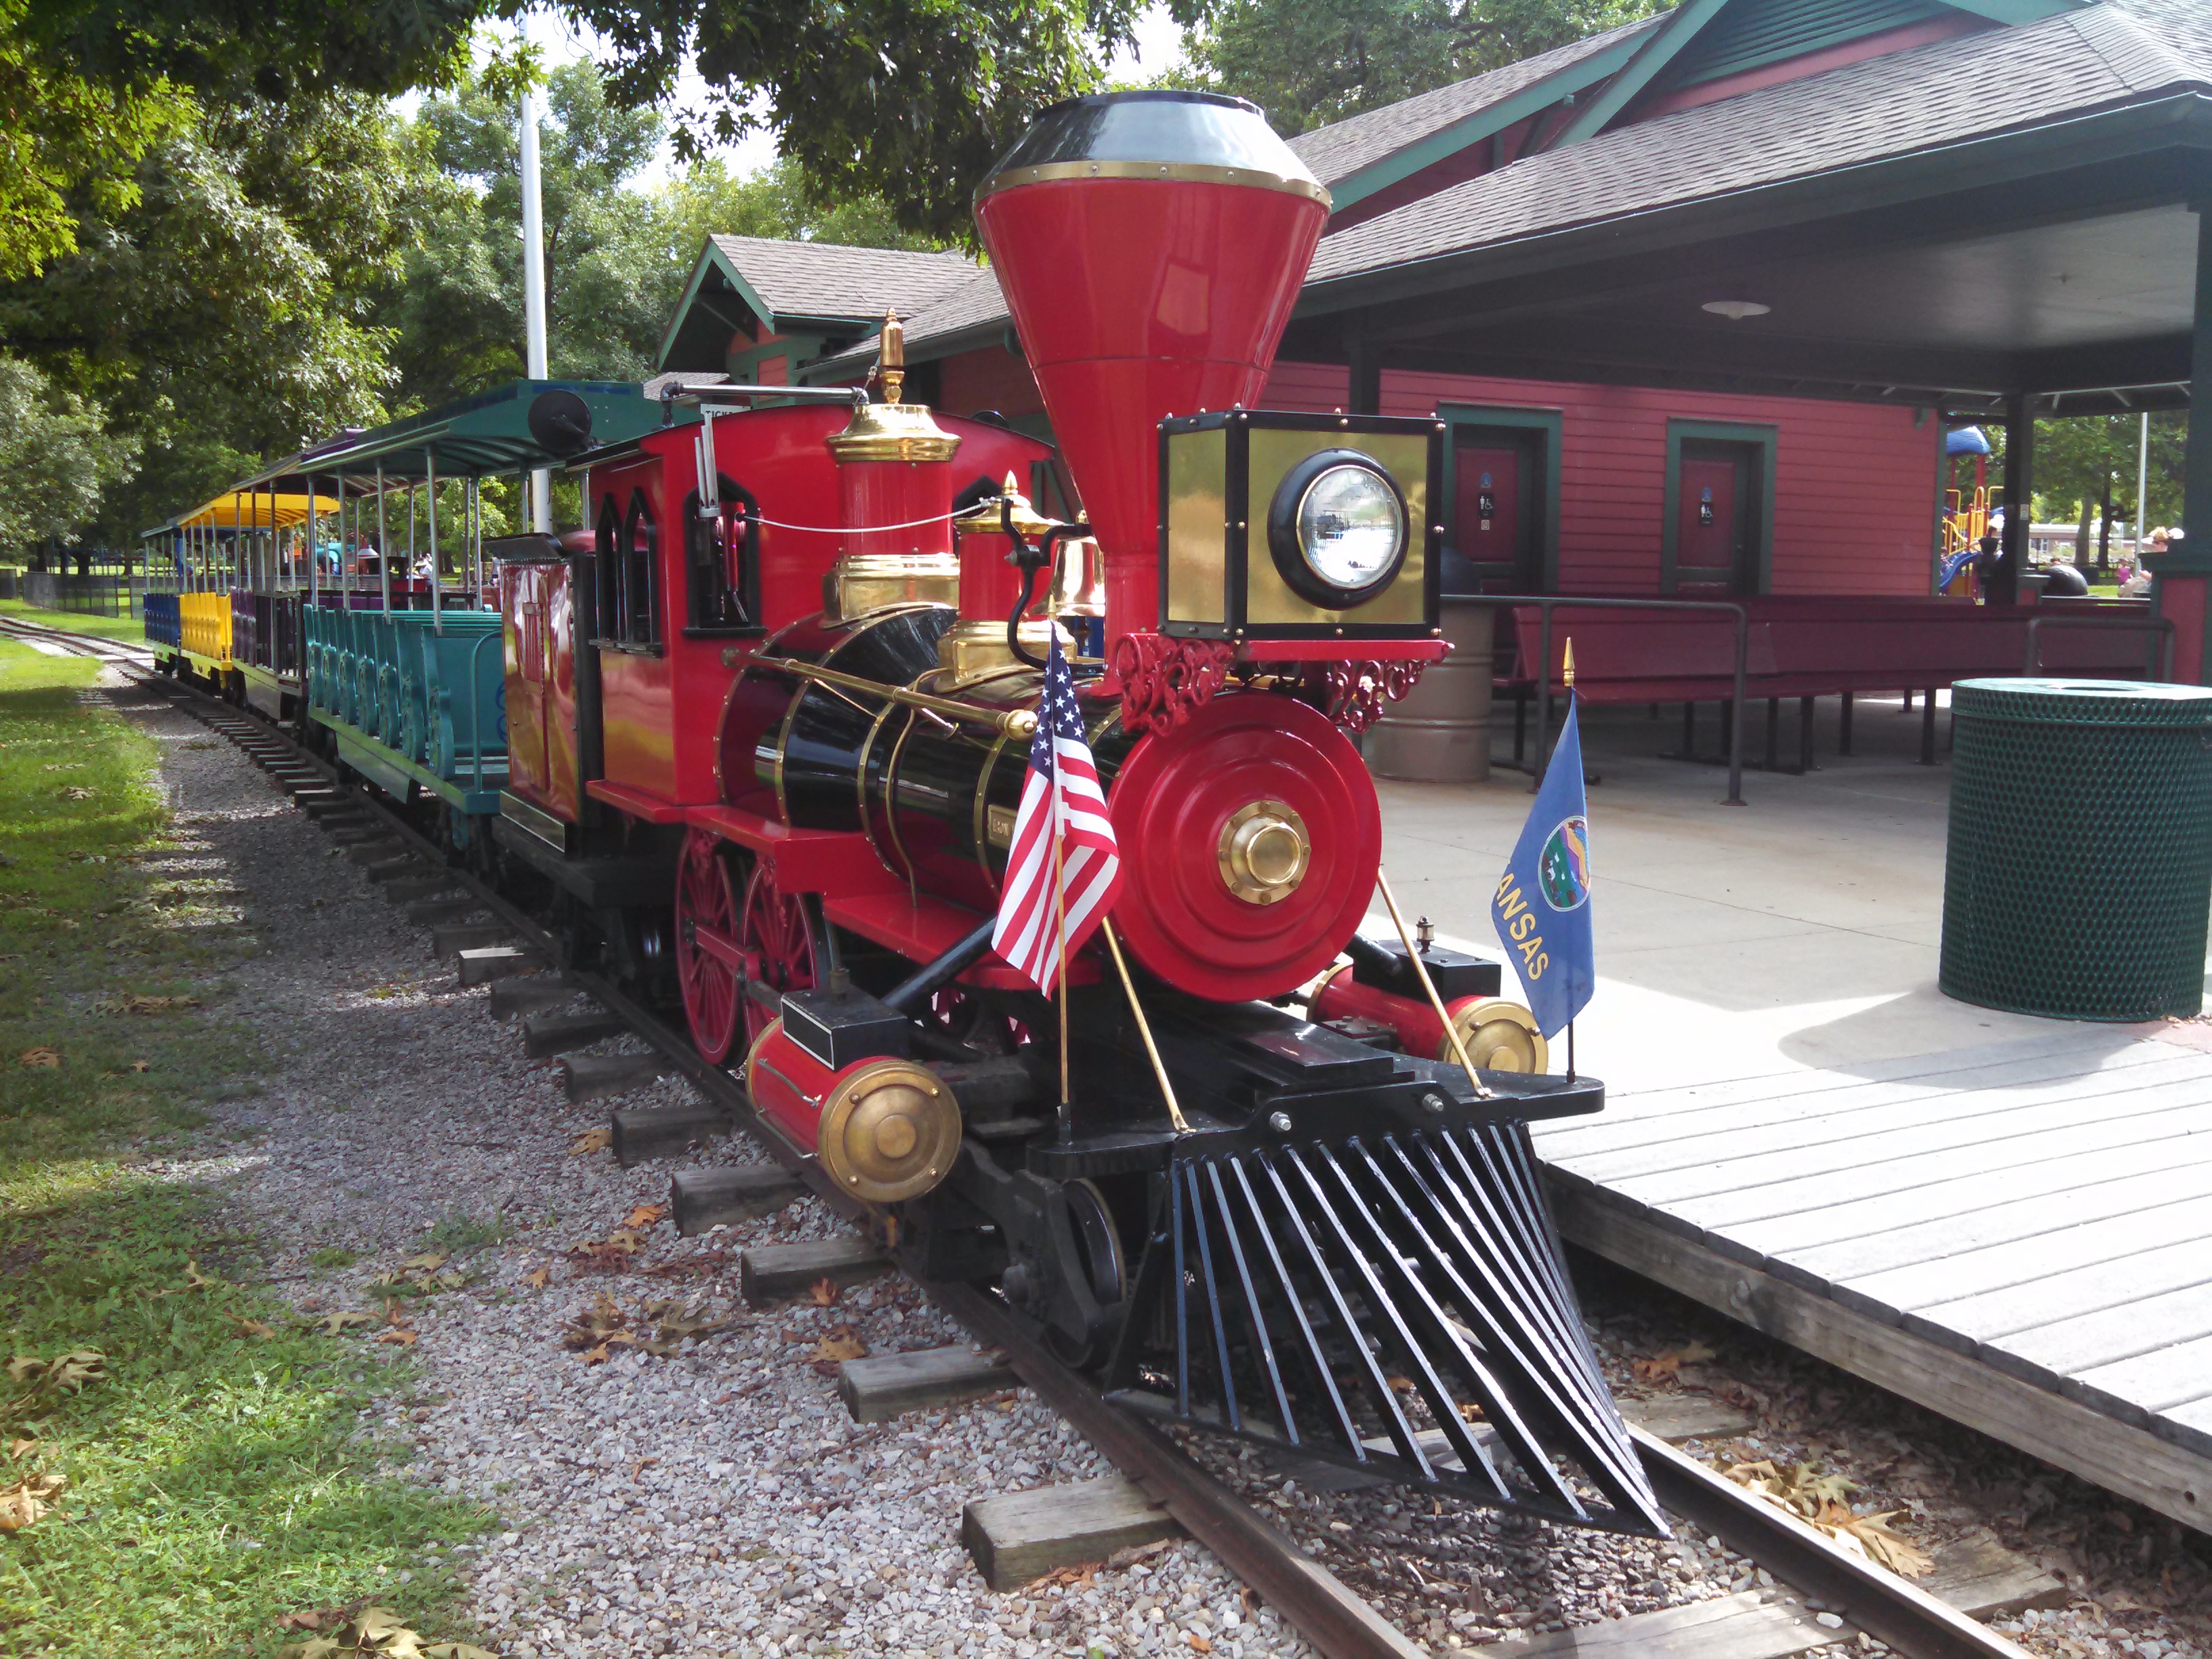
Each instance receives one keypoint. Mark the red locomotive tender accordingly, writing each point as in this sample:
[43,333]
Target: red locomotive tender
[768,722]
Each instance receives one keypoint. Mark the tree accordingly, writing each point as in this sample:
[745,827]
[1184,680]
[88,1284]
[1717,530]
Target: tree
[65,135]
[56,458]
[1310,62]
[231,310]
[869,97]
[2083,461]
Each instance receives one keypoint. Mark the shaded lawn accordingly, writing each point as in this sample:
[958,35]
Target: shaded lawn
[211,1484]
[108,627]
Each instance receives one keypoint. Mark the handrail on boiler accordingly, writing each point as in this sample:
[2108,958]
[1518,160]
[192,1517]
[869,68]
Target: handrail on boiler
[1546,603]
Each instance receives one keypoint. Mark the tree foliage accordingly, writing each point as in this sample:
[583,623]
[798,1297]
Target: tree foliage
[2078,457]
[56,454]
[1308,63]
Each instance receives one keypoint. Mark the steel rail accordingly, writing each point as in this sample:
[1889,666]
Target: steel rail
[1316,1603]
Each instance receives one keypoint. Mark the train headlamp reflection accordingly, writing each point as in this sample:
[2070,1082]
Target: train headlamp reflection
[1337,528]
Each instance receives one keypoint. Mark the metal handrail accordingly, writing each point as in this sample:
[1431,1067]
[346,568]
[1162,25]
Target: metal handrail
[1546,603]
[2158,645]
[476,701]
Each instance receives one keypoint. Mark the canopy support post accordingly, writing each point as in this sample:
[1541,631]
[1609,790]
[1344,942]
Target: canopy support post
[2181,590]
[2019,495]
[383,543]
[430,507]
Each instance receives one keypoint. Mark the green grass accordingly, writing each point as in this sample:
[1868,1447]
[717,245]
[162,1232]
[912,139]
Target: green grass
[211,1484]
[107,628]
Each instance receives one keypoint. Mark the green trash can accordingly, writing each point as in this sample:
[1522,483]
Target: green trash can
[2079,870]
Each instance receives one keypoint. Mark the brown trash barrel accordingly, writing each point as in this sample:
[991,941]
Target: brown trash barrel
[1440,732]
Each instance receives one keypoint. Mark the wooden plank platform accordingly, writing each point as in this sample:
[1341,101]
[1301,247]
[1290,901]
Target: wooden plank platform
[2019,1237]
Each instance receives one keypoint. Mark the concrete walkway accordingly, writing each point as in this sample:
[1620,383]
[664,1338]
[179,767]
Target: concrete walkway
[1799,931]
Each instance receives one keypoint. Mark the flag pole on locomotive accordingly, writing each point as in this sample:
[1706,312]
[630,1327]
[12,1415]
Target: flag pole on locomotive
[1063,867]
[1541,906]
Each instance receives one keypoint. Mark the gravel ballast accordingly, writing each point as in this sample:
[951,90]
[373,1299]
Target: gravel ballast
[714,1499]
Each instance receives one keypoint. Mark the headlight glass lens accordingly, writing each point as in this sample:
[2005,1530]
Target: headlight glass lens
[1350,526]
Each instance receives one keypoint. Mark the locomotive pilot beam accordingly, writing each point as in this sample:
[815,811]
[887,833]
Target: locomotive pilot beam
[792,671]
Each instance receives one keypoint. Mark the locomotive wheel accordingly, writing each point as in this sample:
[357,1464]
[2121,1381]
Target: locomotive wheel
[973,1020]
[774,933]
[706,898]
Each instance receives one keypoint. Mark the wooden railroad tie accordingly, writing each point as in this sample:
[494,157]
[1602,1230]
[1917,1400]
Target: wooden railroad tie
[375,851]
[703,1199]
[1020,1536]
[597,1077]
[557,1034]
[406,890]
[428,912]
[658,1132]
[488,963]
[884,1386]
[396,868]
[527,993]
[771,1273]
[468,936]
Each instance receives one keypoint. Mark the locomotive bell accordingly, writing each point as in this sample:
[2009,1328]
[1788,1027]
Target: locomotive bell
[990,585]
[894,470]
[1151,246]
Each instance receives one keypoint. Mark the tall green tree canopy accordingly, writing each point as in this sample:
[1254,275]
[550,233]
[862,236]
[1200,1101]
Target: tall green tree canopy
[1308,63]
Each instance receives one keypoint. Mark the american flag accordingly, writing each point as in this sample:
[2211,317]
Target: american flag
[1061,802]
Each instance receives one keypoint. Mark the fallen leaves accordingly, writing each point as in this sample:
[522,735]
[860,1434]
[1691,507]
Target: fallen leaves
[659,1328]
[422,1275]
[29,1498]
[131,1003]
[1668,1367]
[40,1058]
[252,1329]
[338,1324]
[610,1254]
[372,1631]
[645,1215]
[838,1344]
[538,1278]
[823,1292]
[66,1372]
[1822,1500]
[592,1141]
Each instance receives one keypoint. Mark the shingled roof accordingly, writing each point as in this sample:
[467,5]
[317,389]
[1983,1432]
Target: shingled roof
[1344,148]
[828,280]
[1985,83]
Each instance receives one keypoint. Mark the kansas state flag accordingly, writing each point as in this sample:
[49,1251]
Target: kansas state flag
[1542,904]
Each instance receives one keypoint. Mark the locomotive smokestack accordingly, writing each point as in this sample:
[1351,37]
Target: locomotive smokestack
[1151,246]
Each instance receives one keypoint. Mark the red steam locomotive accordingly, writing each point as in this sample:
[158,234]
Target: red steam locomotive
[794,667]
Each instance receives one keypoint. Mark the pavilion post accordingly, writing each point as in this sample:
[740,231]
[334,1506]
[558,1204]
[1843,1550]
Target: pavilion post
[314,549]
[2019,496]
[1364,395]
[2183,574]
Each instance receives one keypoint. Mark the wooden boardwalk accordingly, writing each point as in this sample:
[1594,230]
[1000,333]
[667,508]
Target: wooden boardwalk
[2018,1236]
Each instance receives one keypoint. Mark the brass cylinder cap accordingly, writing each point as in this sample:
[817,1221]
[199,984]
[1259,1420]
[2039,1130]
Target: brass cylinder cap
[888,1131]
[1264,851]
[1500,1036]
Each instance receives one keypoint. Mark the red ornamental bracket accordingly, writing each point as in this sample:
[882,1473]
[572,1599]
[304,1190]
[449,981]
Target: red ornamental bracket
[1165,681]
[1358,691]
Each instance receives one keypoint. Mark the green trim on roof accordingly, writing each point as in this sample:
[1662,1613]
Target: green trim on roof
[711,258]
[1752,33]
[2018,11]
[1483,124]
[1657,50]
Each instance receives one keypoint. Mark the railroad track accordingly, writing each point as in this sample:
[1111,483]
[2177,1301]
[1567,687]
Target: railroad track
[77,645]
[1824,1583]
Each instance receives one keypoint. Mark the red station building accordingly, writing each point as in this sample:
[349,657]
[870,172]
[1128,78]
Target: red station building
[1698,298]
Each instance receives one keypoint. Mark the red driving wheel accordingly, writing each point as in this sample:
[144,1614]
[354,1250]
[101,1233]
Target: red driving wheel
[777,943]
[706,929]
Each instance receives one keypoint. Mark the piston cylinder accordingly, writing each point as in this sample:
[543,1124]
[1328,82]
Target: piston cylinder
[1499,1036]
[885,1129]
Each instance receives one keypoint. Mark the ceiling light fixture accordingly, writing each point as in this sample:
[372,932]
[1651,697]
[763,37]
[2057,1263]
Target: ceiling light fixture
[1736,309]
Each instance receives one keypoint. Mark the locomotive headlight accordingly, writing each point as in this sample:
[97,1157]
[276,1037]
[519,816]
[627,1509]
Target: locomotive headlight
[1337,528]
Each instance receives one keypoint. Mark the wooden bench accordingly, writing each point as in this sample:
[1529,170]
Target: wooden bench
[1809,647]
